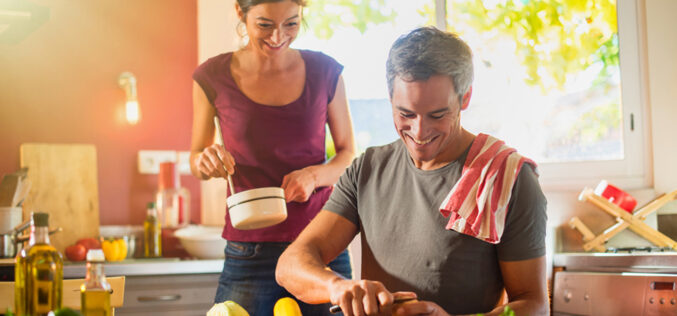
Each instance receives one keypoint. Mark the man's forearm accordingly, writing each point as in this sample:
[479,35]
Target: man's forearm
[304,275]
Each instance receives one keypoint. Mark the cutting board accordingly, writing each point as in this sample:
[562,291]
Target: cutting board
[213,193]
[64,184]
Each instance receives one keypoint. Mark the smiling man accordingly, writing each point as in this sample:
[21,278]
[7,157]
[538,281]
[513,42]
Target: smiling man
[447,216]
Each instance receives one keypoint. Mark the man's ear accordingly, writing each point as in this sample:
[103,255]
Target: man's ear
[466,99]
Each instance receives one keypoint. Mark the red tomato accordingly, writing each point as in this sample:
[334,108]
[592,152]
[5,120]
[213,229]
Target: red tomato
[76,252]
[89,243]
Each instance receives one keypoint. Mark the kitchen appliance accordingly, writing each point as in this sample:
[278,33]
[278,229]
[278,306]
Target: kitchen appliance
[630,281]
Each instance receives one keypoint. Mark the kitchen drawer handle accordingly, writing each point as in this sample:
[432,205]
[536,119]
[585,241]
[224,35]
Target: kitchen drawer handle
[159,298]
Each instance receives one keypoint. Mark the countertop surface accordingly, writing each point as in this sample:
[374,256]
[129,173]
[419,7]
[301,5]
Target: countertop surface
[141,267]
[642,262]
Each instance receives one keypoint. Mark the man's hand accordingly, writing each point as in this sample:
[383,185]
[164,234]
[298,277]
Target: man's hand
[418,308]
[363,297]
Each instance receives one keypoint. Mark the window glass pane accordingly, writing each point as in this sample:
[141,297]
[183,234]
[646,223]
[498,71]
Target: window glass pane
[547,77]
[358,34]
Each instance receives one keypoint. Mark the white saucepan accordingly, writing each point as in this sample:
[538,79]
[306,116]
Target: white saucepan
[255,208]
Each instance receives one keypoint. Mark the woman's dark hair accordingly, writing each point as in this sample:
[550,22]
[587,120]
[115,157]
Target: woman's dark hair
[246,5]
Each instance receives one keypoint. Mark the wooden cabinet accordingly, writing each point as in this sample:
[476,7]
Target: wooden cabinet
[182,294]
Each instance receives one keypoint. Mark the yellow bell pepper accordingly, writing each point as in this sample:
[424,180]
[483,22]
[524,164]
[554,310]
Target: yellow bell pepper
[114,249]
[286,306]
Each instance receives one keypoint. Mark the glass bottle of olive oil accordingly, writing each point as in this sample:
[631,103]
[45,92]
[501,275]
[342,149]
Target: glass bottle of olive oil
[20,283]
[95,292]
[152,233]
[41,271]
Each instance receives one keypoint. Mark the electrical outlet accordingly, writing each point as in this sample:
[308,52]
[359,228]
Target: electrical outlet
[149,160]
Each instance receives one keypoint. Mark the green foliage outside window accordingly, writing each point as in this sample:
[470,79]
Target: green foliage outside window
[326,15]
[553,38]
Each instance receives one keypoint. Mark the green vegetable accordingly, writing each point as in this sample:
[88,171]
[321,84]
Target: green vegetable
[9,312]
[507,311]
[67,312]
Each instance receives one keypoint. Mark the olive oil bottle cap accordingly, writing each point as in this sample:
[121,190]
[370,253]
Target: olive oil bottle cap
[41,219]
[95,255]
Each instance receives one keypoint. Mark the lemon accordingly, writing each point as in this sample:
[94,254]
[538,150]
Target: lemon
[286,306]
[227,308]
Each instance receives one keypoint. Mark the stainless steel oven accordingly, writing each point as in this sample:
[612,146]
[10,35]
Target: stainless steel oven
[601,284]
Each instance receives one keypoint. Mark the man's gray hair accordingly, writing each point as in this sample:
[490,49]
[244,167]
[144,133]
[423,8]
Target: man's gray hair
[427,51]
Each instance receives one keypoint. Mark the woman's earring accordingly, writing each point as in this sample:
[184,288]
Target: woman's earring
[241,30]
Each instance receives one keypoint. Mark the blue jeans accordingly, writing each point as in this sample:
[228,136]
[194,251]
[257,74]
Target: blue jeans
[248,277]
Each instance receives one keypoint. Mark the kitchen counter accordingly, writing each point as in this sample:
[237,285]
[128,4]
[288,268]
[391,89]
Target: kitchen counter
[641,262]
[146,267]
[152,287]
[141,267]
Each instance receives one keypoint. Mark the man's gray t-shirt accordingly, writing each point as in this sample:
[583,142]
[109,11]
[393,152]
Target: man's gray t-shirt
[404,241]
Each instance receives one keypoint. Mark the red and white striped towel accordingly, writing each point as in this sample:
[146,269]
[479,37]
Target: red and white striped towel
[478,202]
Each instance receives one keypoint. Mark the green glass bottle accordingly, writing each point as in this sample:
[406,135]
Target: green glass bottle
[152,233]
[43,270]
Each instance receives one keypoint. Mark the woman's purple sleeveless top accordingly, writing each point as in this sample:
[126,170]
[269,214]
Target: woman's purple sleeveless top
[268,142]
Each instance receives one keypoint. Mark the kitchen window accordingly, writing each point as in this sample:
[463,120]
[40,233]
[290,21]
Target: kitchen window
[558,80]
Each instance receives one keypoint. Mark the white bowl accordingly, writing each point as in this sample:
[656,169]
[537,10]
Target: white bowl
[202,242]
[257,208]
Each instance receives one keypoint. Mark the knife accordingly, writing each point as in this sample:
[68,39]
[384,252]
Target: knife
[336,309]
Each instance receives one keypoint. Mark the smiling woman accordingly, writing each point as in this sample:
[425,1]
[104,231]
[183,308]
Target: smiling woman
[270,140]
[273,26]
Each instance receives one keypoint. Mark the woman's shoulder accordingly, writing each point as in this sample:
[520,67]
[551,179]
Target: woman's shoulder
[317,57]
[216,62]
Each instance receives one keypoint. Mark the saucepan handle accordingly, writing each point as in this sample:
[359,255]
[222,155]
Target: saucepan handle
[219,137]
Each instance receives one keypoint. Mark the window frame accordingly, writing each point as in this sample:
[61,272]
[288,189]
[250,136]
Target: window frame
[634,170]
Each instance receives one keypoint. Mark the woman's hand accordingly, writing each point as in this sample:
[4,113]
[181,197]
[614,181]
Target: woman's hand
[214,161]
[419,308]
[298,185]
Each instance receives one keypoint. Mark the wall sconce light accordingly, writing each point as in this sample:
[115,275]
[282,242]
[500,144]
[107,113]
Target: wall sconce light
[127,81]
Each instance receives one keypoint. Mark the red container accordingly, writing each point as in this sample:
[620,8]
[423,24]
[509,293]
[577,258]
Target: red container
[616,196]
